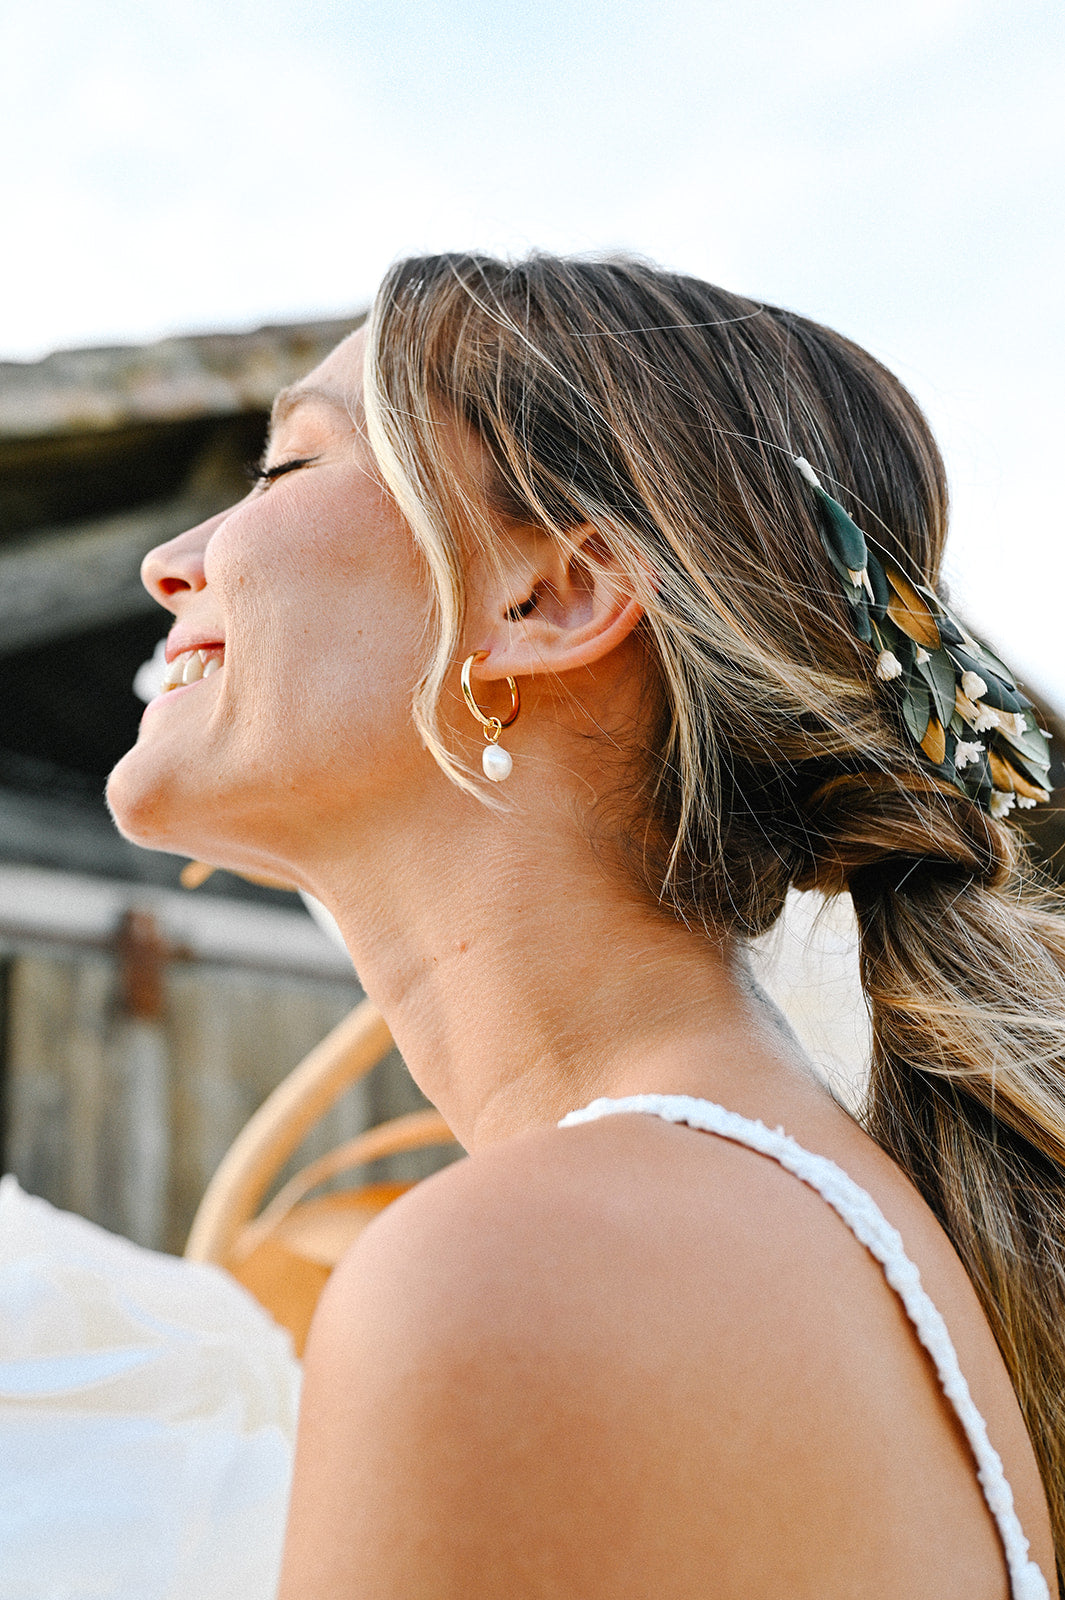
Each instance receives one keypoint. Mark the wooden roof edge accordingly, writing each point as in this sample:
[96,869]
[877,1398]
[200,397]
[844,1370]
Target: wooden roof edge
[99,388]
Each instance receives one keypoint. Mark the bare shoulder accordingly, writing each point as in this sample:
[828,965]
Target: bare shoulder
[579,1226]
[538,1367]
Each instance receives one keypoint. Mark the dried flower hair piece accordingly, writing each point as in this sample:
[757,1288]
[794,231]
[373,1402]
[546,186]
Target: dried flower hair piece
[950,687]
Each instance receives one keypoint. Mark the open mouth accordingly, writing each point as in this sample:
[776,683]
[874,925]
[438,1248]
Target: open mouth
[192,665]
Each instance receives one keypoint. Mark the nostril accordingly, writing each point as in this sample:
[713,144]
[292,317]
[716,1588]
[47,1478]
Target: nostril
[175,569]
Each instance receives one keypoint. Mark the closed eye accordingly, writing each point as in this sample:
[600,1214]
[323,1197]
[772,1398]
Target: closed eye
[266,475]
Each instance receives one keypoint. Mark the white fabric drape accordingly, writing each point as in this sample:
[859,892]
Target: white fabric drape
[147,1419]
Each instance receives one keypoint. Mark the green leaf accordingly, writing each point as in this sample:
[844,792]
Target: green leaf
[976,782]
[949,631]
[1035,771]
[845,537]
[978,776]
[900,644]
[998,694]
[839,566]
[939,674]
[916,706]
[880,586]
[998,667]
[946,767]
[1032,745]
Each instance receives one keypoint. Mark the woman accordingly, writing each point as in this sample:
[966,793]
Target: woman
[605,508]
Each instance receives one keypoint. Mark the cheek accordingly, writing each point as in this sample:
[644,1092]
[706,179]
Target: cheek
[326,639]
[325,627]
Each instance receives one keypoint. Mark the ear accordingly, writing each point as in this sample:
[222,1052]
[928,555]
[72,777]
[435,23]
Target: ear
[555,607]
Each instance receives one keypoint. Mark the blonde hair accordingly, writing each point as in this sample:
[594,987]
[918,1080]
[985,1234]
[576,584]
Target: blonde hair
[666,413]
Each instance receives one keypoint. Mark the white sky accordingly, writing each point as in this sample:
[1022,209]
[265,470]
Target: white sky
[891,167]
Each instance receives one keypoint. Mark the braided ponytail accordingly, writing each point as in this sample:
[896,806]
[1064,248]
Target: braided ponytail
[962,955]
[966,983]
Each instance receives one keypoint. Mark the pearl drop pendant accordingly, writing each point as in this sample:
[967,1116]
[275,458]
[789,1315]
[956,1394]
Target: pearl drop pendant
[496,762]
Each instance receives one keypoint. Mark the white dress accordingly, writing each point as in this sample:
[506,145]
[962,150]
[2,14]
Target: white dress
[868,1223]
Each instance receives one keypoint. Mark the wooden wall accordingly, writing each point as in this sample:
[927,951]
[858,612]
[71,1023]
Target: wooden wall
[127,1074]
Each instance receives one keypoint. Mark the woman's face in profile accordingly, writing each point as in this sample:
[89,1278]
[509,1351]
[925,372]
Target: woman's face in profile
[311,597]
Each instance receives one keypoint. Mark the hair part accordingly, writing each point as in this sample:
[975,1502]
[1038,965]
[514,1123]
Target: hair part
[666,414]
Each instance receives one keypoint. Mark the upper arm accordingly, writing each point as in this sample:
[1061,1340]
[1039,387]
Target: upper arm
[449,1405]
[524,1382]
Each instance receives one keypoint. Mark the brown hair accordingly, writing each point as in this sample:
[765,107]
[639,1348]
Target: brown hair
[666,413]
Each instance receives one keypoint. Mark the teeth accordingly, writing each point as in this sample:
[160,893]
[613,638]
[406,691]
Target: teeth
[189,667]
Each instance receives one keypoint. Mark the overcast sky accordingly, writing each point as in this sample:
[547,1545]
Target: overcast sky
[892,167]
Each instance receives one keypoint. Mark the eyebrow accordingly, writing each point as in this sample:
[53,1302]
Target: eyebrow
[288,399]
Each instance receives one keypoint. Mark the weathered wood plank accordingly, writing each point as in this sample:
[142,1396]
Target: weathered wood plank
[124,1119]
[213,374]
[233,1037]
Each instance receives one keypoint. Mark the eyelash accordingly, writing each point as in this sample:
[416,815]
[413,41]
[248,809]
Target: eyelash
[265,476]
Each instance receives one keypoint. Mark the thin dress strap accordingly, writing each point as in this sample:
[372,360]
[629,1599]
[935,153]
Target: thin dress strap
[865,1219]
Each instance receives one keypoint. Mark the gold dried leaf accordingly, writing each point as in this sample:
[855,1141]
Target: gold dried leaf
[964,707]
[934,743]
[910,611]
[1002,774]
[1006,777]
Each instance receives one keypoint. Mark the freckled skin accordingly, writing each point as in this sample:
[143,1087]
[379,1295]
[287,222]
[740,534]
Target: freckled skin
[613,1361]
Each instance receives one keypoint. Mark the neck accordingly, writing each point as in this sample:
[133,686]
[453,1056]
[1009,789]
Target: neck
[520,979]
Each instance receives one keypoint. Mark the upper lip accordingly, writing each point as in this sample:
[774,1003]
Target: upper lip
[180,640]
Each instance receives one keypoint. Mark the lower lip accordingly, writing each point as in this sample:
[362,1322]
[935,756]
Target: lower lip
[172,694]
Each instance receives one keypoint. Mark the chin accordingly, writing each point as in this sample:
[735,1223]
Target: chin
[143,811]
[163,805]
[153,809]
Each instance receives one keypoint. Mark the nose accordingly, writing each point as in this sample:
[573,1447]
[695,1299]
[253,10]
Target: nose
[176,568]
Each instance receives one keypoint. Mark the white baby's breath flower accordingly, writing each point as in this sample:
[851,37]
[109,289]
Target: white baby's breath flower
[807,471]
[1025,802]
[1013,722]
[973,686]
[922,655]
[888,666]
[967,754]
[1002,803]
[986,718]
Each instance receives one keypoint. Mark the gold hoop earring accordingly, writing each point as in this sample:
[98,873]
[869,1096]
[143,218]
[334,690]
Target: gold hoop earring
[495,761]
